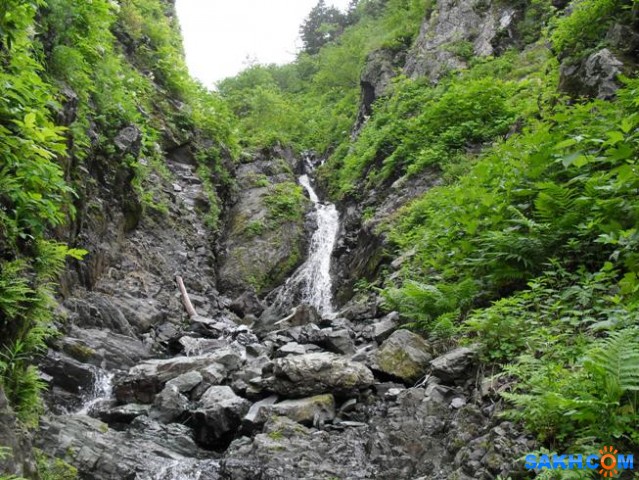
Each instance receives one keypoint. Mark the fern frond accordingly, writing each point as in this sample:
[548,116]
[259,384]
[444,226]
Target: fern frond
[616,360]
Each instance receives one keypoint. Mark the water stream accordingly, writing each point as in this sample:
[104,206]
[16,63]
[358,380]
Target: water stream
[101,391]
[312,282]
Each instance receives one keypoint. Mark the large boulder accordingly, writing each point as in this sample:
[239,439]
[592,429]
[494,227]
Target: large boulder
[596,76]
[147,450]
[383,328]
[146,379]
[103,348]
[260,245]
[169,405]
[454,365]
[404,355]
[310,411]
[317,373]
[218,416]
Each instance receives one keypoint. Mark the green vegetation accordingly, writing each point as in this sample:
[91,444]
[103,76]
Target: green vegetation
[74,76]
[312,103]
[285,202]
[528,246]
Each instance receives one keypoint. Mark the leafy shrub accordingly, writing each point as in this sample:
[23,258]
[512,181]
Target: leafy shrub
[285,202]
[586,24]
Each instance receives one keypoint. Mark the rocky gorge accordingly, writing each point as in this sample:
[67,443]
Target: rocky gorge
[231,318]
[140,390]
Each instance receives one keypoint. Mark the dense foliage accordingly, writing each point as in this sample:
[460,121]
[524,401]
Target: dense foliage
[312,102]
[122,65]
[528,245]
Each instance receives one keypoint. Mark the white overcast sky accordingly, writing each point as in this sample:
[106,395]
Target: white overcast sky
[219,35]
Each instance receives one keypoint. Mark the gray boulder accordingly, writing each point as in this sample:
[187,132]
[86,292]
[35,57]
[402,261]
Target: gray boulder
[186,382]
[404,355]
[146,379]
[145,450]
[385,327]
[169,405]
[316,373]
[218,416]
[310,411]
[455,364]
[596,76]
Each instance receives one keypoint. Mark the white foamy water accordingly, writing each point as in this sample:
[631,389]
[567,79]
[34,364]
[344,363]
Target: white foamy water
[101,391]
[312,280]
[187,469]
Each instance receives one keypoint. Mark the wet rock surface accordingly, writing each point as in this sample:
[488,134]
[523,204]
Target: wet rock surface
[151,394]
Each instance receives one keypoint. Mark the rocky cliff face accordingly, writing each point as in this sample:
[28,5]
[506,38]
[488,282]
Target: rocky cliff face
[138,389]
[263,242]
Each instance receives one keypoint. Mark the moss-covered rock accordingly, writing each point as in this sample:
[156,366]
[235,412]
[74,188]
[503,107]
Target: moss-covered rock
[265,237]
[404,355]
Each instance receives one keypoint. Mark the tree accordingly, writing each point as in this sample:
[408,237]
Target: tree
[323,25]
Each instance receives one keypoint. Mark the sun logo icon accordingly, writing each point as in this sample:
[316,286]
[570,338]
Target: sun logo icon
[608,461]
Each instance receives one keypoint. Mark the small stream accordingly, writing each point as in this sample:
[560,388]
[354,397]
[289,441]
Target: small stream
[101,391]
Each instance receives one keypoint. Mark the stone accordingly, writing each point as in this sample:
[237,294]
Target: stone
[258,413]
[276,252]
[169,405]
[339,341]
[247,304]
[488,29]
[186,382]
[103,348]
[317,373]
[385,327]
[129,140]
[123,413]
[291,348]
[146,379]
[404,355]
[68,373]
[596,76]
[454,365]
[312,411]
[218,416]
[145,450]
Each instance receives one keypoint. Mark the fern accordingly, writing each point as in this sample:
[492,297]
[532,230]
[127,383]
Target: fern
[615,361]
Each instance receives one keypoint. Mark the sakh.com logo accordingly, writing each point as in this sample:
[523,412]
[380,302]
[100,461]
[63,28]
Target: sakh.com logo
[608,463]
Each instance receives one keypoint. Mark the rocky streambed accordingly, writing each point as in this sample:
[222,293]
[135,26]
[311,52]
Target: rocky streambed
[139,390]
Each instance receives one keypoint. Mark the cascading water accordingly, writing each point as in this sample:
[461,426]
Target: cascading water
[312,281]
[101,391]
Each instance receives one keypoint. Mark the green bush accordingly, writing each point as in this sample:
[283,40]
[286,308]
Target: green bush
[586,25]
[285,202]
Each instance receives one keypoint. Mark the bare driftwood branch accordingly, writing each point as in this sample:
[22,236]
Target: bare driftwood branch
[185,297]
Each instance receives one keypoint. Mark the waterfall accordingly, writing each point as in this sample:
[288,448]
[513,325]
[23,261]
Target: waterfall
[101,391]
[312,282]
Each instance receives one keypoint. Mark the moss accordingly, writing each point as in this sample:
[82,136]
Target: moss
[54,468]
[79,351]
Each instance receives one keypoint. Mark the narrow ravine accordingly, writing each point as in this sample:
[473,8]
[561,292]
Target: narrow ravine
[320,394]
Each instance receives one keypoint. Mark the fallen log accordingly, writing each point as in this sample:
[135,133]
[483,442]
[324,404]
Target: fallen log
[186,301]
